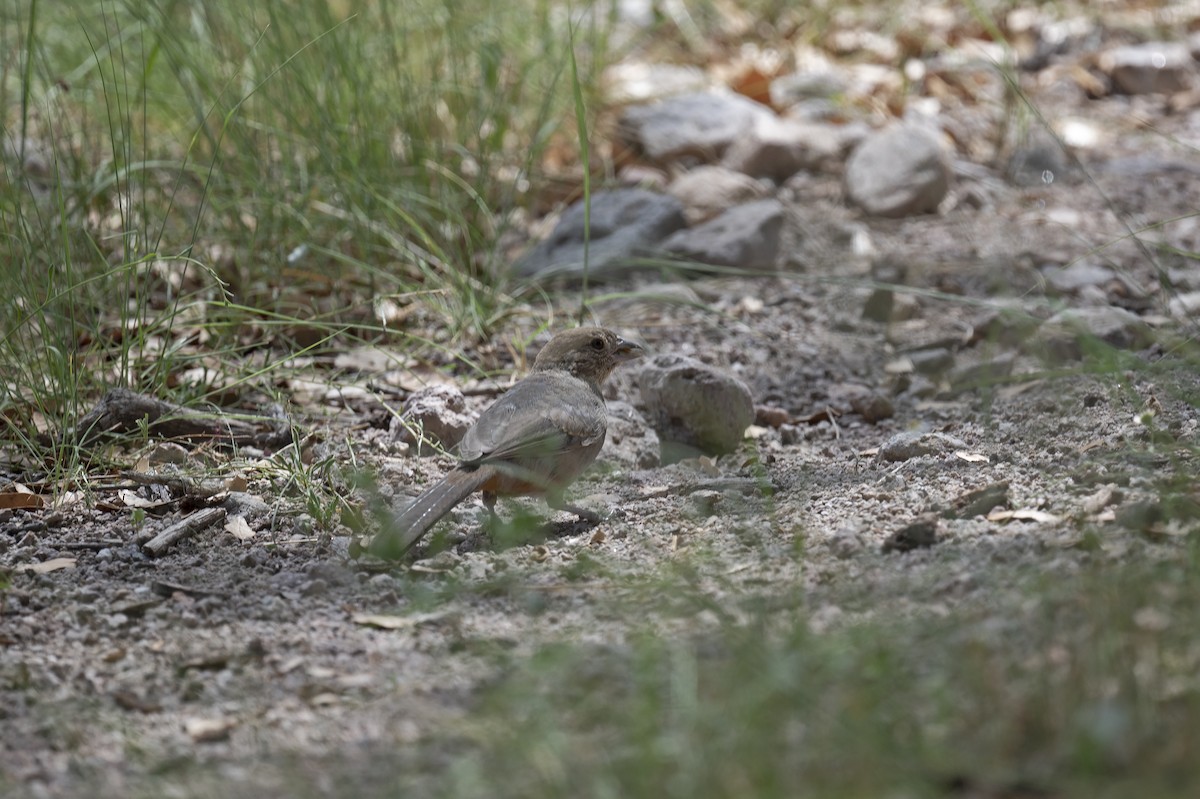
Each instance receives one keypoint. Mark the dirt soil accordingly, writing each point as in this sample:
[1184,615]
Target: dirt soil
[265,659]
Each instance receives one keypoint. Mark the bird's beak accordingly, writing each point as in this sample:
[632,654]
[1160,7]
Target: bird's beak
[628,350]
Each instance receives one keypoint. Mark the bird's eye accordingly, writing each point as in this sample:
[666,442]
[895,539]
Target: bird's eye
[597,343]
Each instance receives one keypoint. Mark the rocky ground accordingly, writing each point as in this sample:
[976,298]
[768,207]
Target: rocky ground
[963,365]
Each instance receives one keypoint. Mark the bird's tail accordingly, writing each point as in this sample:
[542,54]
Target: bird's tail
[425,511]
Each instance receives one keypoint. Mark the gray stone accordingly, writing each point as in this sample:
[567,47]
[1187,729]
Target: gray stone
[745,237]
[1186,306]
[913,444]
[626,224]
[898,172]
[881,304]
[33,162]
[1150,68]
[918,535]
[1077,276]
[1184,278]
[643,177]
[984,373]
[631,441]
[697,125]
[240,503]
[708,190]
[978,502]
[1007,323]
[641,81]
[694,404]
[932,361]
[432,418]
[799,87]
[779,148]
[846,542]
[1064,336]
[1038,162]
[872,406]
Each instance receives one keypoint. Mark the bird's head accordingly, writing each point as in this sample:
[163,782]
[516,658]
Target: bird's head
[589,353]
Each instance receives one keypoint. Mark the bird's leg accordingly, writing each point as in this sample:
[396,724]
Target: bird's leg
[558,502]
[482,538]
[489,502]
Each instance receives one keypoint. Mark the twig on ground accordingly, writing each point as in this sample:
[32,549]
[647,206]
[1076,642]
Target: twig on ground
[123,411]
[164,588]
[178,483]
[182,529]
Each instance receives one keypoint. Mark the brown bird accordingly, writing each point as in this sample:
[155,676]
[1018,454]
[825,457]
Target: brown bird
[534,440]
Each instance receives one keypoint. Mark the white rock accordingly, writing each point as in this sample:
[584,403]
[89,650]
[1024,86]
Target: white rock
[709,190]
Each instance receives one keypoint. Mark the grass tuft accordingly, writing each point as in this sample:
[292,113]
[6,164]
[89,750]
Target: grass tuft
[186,184]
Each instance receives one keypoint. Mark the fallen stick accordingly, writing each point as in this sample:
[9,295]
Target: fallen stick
[121,411]
[182,529]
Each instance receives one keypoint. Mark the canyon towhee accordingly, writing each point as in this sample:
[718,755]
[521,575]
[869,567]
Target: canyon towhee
[534,440]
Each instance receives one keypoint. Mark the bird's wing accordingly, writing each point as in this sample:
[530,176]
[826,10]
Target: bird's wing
[544,414]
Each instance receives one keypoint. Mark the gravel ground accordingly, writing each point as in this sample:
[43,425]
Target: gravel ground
[909,466]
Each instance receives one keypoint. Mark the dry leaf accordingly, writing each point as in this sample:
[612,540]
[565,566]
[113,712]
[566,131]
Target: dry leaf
[237,483]
[68,498]
[382,621]
[240,529]
[826,414]
[972,457]
[386,621]
[128,700]
[753,83]
[52,565]
[322,673]
[20,499]
[324,699]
